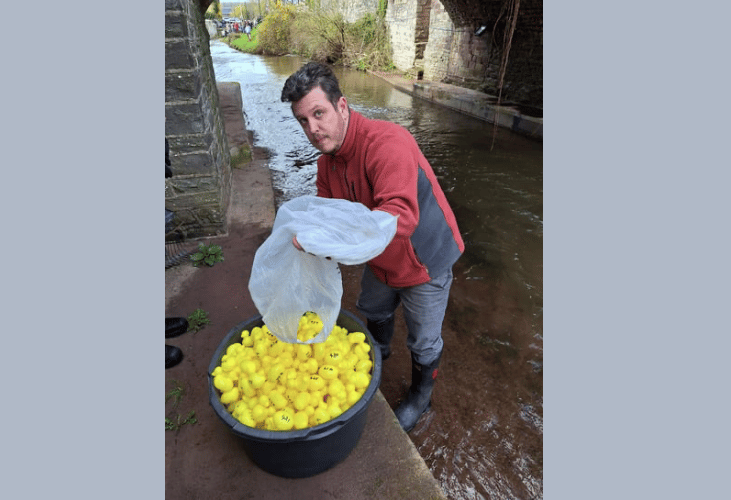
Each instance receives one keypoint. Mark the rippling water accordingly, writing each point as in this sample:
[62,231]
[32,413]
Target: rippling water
[484,439]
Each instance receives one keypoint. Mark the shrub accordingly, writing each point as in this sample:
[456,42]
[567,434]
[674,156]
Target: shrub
[325,36]
[322,35]
[367,44]
[273,33]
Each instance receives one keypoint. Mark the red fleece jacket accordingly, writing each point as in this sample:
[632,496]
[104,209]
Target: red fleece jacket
[381,166]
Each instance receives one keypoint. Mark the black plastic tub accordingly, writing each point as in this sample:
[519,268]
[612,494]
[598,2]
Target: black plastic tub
[305,452]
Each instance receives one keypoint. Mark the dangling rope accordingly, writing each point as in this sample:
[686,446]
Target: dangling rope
[512,7]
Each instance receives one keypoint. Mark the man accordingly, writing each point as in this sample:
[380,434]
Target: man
[380,165]
[247,29]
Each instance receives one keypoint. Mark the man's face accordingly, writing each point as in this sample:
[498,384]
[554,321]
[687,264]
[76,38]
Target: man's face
[324,125]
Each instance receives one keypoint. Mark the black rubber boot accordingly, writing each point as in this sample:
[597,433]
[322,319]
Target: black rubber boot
[173,356]
[382,332]
[175,327]
[418,400]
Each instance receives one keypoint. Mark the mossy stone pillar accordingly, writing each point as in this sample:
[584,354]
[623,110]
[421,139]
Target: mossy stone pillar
[199,191]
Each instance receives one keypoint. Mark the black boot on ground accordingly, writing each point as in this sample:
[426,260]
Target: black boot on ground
[382,332]
[418,400]
[175,327]
[173,355]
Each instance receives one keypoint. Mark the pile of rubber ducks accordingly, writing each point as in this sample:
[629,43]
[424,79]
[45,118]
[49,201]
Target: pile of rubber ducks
[274,385]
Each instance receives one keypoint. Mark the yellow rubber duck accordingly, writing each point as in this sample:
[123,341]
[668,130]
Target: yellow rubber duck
[223,383]
[301,420]
[230,396]
[328,372]
[283,420]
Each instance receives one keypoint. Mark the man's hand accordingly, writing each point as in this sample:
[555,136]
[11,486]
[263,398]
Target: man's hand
[297,244]
[299,247]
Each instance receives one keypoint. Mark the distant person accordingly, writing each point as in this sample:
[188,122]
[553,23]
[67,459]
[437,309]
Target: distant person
[247,29]
[380,165]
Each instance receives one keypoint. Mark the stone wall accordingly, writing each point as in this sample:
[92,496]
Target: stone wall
[212,27]
[442,40]
[525,68]
[437,39]
[456,55]
[401,20]
[352,10]
[199,191]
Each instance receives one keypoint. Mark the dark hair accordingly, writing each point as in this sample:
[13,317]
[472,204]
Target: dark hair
[312,74]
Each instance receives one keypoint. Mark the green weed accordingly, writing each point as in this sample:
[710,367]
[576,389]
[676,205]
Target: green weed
[176,394]
[176,422]
[207,254]
[197,320]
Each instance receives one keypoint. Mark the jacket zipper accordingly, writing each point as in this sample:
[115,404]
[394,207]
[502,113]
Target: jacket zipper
[347,187]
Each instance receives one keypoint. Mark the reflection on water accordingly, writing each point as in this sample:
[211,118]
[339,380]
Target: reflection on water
[484,439]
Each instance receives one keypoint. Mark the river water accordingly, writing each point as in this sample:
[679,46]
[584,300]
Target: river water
[484,439]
